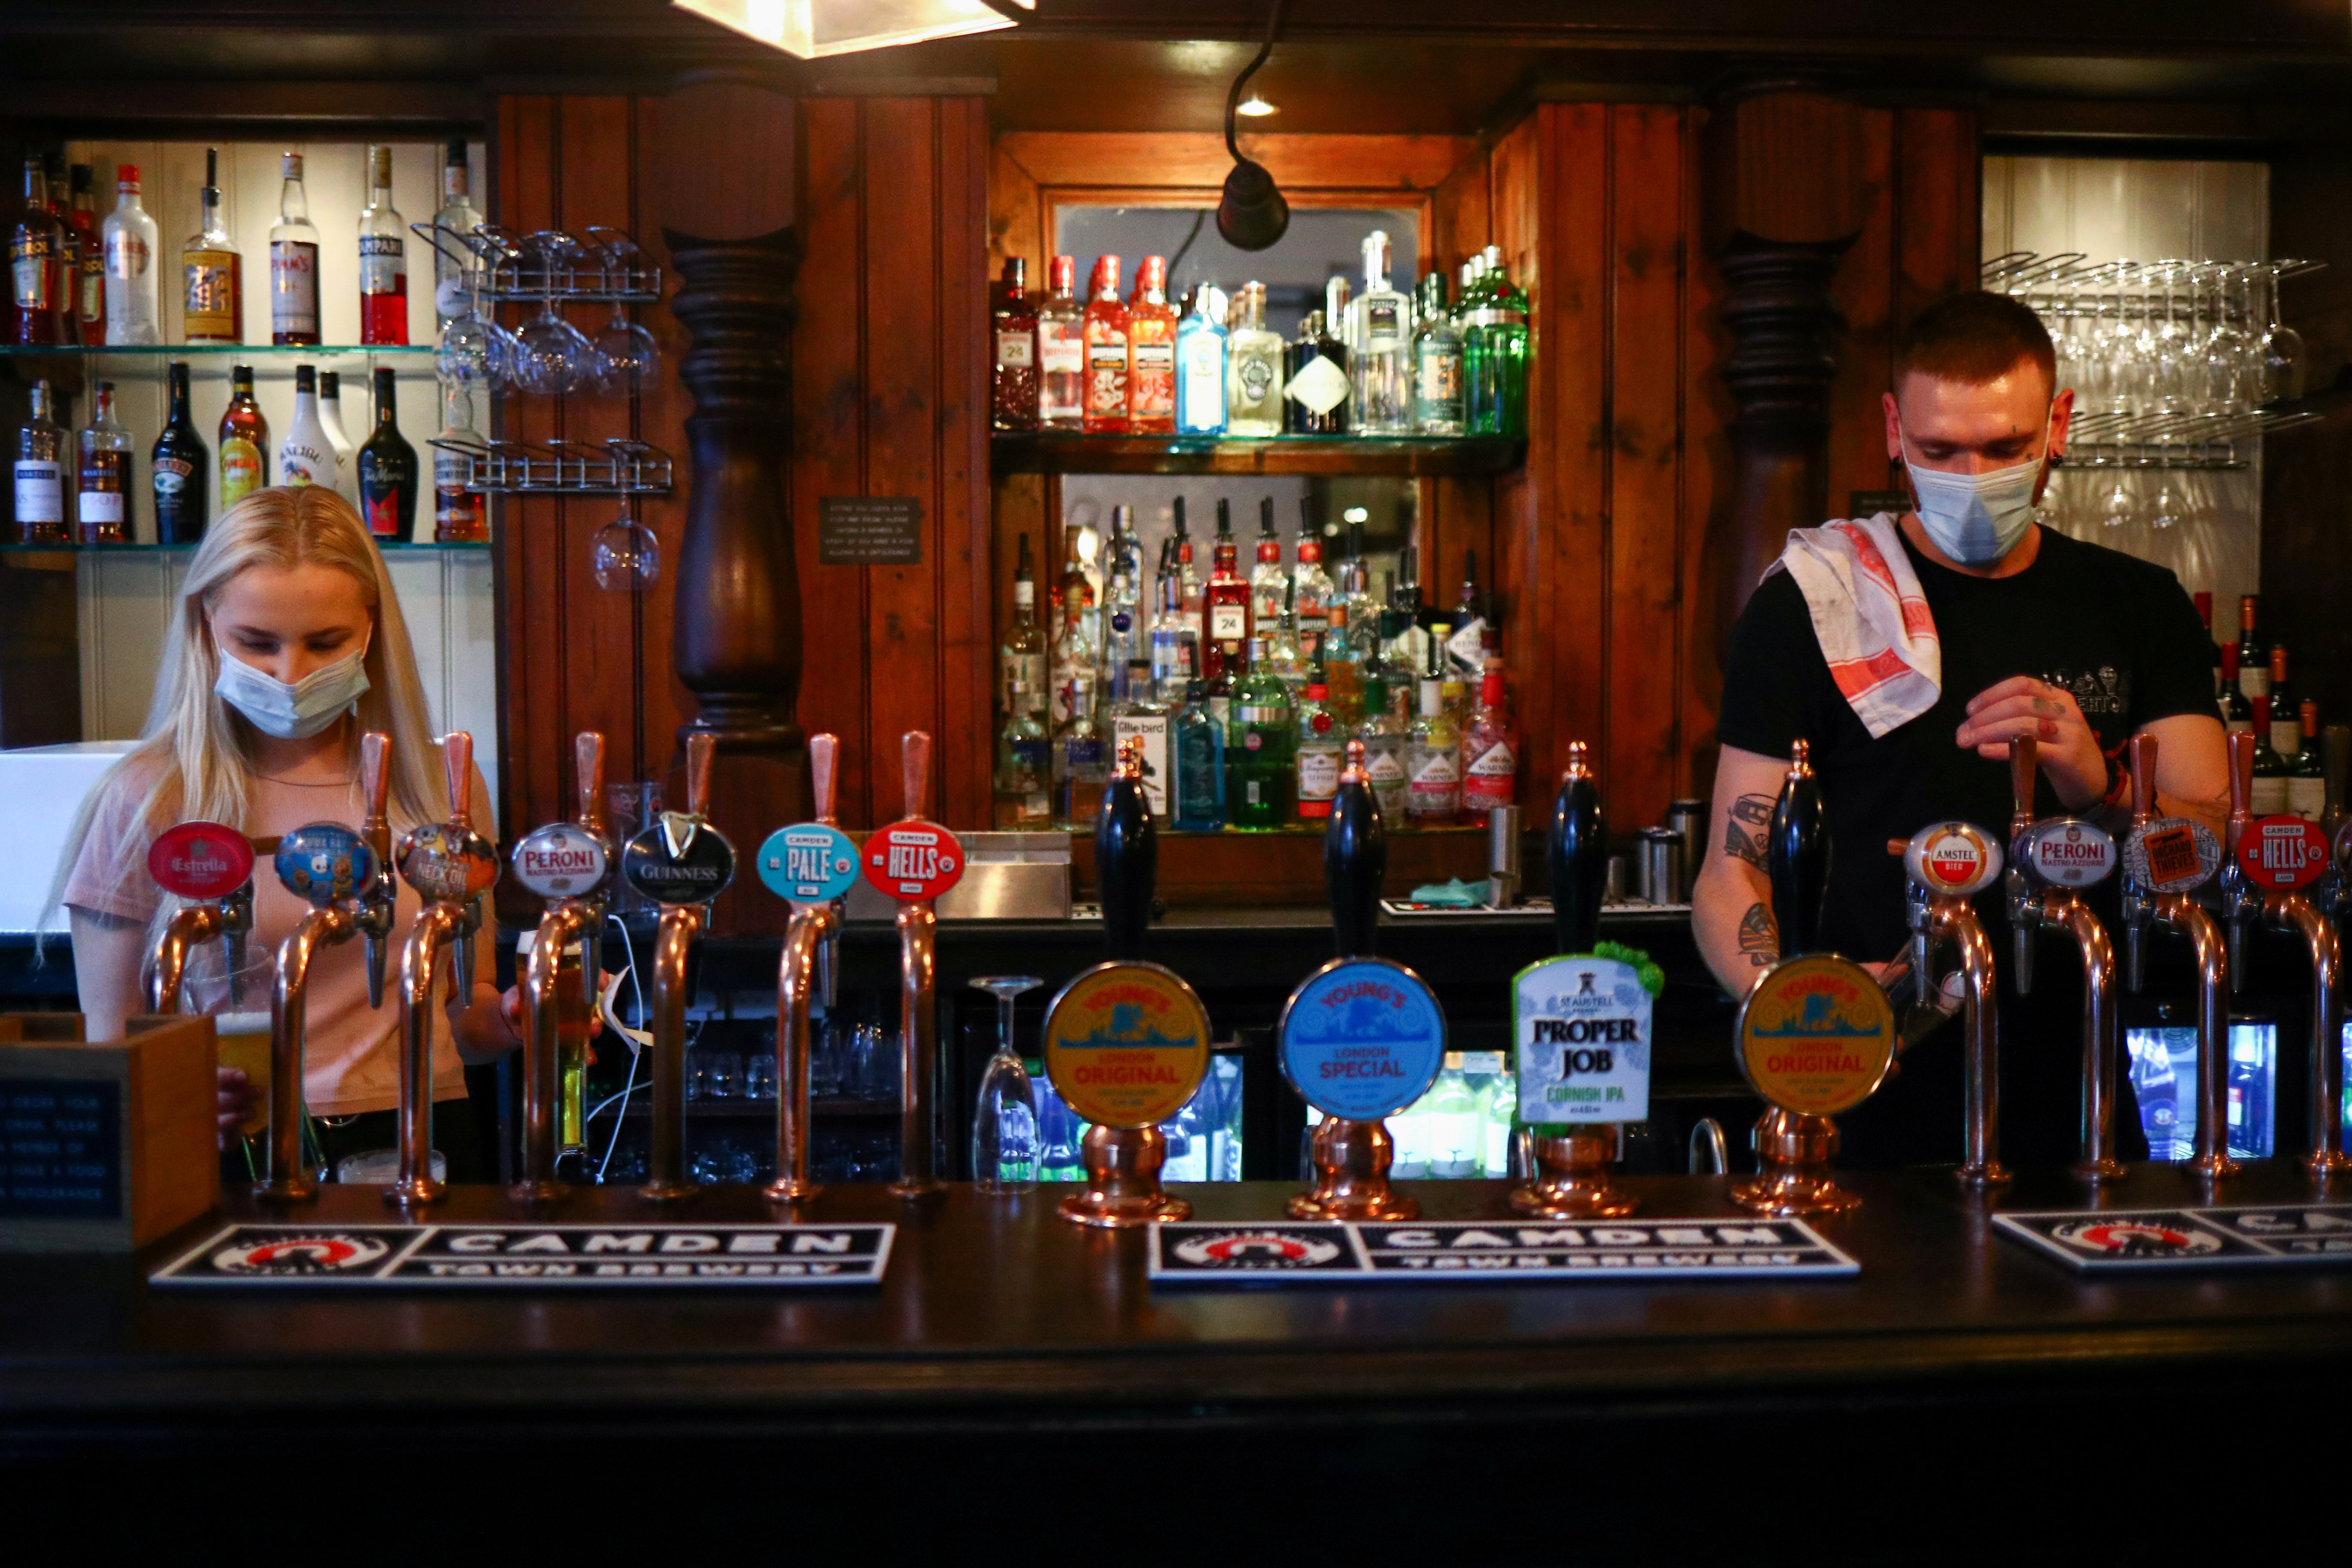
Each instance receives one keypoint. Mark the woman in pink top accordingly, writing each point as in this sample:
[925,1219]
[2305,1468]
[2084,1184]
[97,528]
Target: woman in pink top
[287,646]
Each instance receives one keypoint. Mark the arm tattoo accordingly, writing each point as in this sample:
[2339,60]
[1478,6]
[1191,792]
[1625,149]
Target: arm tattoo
[1760,937]
[1755,810]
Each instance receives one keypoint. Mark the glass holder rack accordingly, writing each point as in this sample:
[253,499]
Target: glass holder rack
[617,466]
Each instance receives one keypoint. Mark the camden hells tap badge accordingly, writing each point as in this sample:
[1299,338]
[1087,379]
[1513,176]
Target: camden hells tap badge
[1816,1034]
[1126,1044]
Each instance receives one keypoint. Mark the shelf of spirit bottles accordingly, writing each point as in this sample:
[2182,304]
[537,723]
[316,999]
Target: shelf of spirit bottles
[388,546]
[159,352]
[1404,456]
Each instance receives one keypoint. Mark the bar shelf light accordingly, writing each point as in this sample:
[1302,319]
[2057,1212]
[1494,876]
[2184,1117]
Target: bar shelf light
[812,29]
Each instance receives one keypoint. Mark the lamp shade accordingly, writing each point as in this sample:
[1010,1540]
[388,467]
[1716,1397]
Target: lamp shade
[814,28]
[1252,214]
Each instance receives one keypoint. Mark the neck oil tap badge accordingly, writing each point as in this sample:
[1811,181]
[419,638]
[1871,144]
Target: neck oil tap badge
[1582,1024]
[2172,854]
[325,863]
[1127,1043]
[1361,1038]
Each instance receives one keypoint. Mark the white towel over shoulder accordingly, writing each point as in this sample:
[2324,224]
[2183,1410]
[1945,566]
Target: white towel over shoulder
[1870,617]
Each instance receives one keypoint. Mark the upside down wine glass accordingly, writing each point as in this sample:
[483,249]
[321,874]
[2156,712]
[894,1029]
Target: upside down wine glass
[1004,1123]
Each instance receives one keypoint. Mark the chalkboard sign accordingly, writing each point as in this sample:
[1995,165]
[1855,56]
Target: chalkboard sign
[60,1149]
[869,530]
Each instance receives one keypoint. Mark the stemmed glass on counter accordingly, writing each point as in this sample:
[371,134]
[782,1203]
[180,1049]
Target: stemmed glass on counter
[1004,1124]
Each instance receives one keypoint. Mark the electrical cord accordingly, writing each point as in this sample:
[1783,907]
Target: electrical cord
[1234,98]
[629,1084]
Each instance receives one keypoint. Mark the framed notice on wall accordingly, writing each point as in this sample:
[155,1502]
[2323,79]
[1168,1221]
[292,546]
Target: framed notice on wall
[869,530]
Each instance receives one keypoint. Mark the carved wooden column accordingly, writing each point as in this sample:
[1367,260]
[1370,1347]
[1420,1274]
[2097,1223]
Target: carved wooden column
[1784,200]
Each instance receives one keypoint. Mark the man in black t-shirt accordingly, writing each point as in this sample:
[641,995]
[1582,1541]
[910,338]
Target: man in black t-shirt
[2039,635]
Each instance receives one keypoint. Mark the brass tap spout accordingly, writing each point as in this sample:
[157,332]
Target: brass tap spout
[2179,912]
[809,941]
[918,1045]
[578,919]
[1955,921]
[187,930]
[680,928]
[376,906]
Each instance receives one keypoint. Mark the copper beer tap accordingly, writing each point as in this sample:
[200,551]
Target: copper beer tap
[336,916]
[1948,863]
[682,863]
[918,1043]
[808,937]
[2049,862]
[2164,860]
[2293,912]
[578,891]
[449,865]
[222,917]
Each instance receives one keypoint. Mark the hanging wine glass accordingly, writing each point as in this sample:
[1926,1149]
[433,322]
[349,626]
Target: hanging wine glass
[626,354]
[2282,345]
[1005,1144]
[552,355]
[626,556]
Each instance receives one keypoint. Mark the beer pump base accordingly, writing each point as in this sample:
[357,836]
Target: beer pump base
[786,1190]
[1792,1168]
[2096,1171]
[667,1191]
[416,1193]
[291,1190]
[2323,1165]
[1982,1173]
[923,1189]
[1351,1175]
[1123,1189]
[1570,1179]
[547,1192]
[2214,1167]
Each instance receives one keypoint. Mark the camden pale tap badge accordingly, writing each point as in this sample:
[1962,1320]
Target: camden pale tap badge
[561,860]
[1126,1044]
[1361,1038]
[1816,1035]
[680,860]
[200,860]
[325,863]
[809,863]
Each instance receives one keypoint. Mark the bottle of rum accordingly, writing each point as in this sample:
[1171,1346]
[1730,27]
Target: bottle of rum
[244,441]
[1024,770]
[1061,349]
[330,416]
[86,305]
[34,244]
[293,263]
[1269,583]
[387,465]
[2307,771]
[1380,347]
[1254,368]
[2269,796]
[1315,760]
[305,456]
[1199,748]
[1201,367]
[460,215]
[1152,352]
[102,504]
[1490,750]
[40,467]
[134,312]
[1012,332]
[383,259]
[1437,405]
[1225,598]
[460,515]
[1258,743]
[179,469]
[1432,760]
[212,303]
[1107,362]
[2253,654]
[1137,715]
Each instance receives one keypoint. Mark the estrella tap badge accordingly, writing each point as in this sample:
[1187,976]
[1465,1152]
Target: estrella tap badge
[680,860]
[325,863]
[2283,852]
[1582,1024]
[200,859]
[914,859]
[561,861]
[1953,857]
[1126,1044]
[2067,852]
[446,863]
[1816,1035]
[1361,1038]
[811,863]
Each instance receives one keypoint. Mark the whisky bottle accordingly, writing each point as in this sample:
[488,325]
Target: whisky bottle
[101,505]
[41,468]
[1254,368]
[1061,350]
[34,244]
[85,300]
[212,303]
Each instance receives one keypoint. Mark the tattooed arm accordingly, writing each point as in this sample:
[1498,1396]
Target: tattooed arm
[1731,901]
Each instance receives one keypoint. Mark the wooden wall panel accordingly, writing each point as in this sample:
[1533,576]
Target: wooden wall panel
[1865,290]
[967,620]
[1198,160]
[1707,472]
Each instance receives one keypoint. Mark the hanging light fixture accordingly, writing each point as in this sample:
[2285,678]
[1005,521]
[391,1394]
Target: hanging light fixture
[1251,213]
[814,28]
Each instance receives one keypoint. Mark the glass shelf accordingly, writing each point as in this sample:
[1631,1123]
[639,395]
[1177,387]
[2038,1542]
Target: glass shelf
[1414,457]
[389,547]
[213,350]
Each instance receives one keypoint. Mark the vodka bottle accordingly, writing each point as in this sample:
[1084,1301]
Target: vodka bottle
[1380,347]
[460,215]
[293,262]
[1269,583]
[134,312]
[1253,368]
[41,475]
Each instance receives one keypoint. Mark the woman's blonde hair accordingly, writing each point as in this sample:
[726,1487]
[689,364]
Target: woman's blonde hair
[195,757]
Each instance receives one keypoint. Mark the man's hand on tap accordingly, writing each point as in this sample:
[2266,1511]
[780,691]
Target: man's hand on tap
[2071,756]
[238,1095]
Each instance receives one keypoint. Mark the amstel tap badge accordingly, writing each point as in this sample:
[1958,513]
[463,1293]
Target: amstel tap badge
[1816,1035]
[1126,1044]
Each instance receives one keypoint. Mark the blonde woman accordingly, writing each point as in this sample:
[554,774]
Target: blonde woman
[286,646]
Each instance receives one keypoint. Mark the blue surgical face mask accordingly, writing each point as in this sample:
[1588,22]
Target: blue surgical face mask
[1977,518]
[293,712]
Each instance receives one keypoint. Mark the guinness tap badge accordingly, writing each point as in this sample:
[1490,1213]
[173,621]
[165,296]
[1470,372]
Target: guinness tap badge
[680,860]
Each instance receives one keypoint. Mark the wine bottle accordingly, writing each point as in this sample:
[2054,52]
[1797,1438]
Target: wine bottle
[388,470]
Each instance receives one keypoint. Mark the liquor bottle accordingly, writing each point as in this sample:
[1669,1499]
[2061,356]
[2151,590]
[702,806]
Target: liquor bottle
[2237,714]
[1199,745]
[1469,621]
[1254,368]
[387,467]
[460,515]
[244,441]
[458,216]
[1502,1110]
[1285,655]
[1499,401]
[133,313]
[1024,770]
[1437,403]
[1201,367]
[40,466]
[1106,340]
[102,504]
[1152,352]
[2307,771]
[1380,349]
[1469,308]
[1189,586]
[2336,759]
[1140,716]
[85,306]
[1490,750]
[1315,389]
[2286,738]
[34,244]
[178,468]
[1085,767]
[2253,654]
[213,304]
[384,259]
[1343,671]
[1455,1140]
[1013,330]
[1021,658]
[1175,637]
[1315,592]
[1124,640]
[305,456]
[293,263]
[1452,689]
[2269,798]
[1073,646]
[1225,598]
[1061,349]
[1433,763]
[1269,583]
[1384,732]
[1257,748]
[1317,752]
[330,418]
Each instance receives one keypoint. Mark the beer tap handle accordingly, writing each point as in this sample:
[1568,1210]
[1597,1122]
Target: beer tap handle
[1579,851]
[700,747]
[2025,763]
[588,777]
[457,771]
[2239,901]
[824,761]
[2140,912]
[1355,859]
[1796,856]
[375,827]
[463,942]
[1127,855]
[2141,749]
[915,771]
[2241,782]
